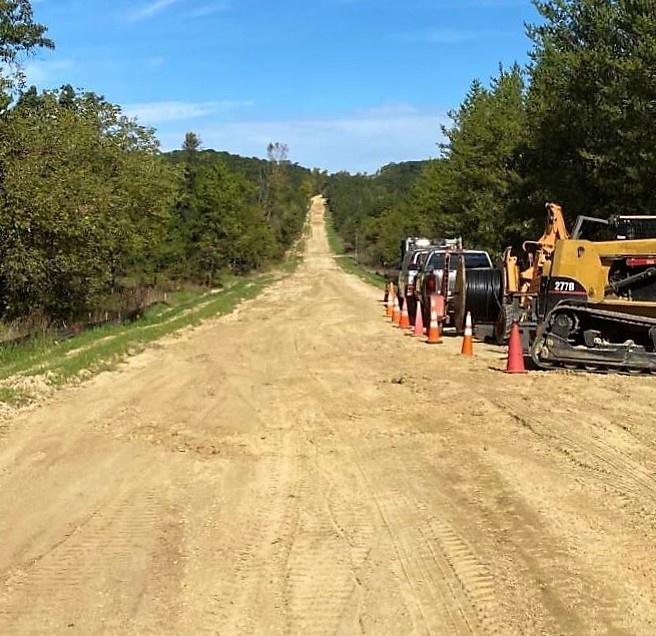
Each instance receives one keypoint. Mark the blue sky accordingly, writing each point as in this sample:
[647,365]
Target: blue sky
[346,84]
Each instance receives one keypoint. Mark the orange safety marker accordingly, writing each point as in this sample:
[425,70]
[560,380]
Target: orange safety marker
[389,310]
[515,362]
[396,312]
[468,339]
[434,336]
[419,321]
[438,299]
[404,321]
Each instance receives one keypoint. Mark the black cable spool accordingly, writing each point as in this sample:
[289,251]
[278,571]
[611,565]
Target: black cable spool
[484,293]
[479,291]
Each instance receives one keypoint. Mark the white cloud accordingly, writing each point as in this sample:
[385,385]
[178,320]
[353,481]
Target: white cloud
[52,72]
[154,113]
[390,110]
[357,144]
[149,10]
[207,9]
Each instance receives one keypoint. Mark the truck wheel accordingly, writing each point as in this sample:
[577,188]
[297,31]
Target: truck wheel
[503,324]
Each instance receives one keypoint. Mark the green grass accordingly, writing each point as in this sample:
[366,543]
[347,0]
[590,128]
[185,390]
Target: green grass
[58,362]
[347,262]
[14,396]
[61,362]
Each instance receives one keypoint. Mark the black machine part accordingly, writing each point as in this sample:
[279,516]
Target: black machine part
[617,227]
[617,287]
[575,336]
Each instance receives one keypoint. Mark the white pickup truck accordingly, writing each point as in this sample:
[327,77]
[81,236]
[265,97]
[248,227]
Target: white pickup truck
[415,252]
[431,279]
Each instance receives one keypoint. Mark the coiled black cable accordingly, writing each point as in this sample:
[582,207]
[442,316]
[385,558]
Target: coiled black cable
[484,294]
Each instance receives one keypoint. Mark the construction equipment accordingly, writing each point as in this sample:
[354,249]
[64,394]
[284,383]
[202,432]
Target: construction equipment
[440,274]
[522,285]
[596,306]
[512,292]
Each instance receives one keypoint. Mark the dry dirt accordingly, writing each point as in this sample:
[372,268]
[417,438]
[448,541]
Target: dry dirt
[302,467]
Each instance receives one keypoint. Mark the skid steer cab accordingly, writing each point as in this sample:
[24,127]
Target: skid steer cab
[596,307]
[525,287]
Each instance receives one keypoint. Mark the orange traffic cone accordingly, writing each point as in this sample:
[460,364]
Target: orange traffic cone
[434,328]
[438,299]
[419,321]
[390,300]
[468,339]
[396,311]
[404,322]
[515,362]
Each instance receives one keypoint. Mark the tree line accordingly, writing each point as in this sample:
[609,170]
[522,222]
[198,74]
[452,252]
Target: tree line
[91,209]
[576,125]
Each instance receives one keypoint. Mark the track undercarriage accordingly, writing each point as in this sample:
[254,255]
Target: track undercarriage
[595,339]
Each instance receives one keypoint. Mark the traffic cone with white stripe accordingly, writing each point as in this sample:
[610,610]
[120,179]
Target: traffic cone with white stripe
[468,338]
[434,336]
[404,321]
[396,312]
[419,321]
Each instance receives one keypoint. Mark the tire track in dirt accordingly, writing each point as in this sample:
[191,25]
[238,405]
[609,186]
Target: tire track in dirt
[329,542]
[244,567]
[474,496]
[449,589]
[70,581]
[555,584]
[608,463]
[584,598]
[452,588]
[336,533]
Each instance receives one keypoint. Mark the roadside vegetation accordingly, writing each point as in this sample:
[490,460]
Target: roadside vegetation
[348,261]
[575,126]
[94,214]
[98,222]
[59,362]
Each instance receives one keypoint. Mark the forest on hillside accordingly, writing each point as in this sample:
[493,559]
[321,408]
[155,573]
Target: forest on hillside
[577,126]
[92,212]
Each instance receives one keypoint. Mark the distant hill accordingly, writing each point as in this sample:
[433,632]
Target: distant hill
[252,167]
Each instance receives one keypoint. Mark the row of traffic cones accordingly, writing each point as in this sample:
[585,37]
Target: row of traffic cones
[401,318]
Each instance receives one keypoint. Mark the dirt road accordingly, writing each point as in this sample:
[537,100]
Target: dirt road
[302,467]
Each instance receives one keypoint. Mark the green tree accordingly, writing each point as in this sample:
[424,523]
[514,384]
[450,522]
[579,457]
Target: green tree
[592,96]
[475,190]
[228,233]
[84,196]
[20,36]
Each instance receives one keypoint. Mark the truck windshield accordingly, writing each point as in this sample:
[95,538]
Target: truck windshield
[472,261]
[436,261]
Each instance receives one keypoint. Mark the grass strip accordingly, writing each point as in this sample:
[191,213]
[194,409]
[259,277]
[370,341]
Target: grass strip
[346,261]
[103,348]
